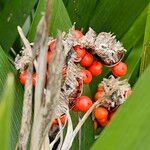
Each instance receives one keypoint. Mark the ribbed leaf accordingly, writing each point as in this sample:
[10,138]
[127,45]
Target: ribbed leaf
[6,67]
[129,130]
[6,104]
[146,47]
[130,39]
[60,19]
[13,14]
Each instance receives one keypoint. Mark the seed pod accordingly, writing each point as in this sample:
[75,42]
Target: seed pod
[108,49]
[116,91]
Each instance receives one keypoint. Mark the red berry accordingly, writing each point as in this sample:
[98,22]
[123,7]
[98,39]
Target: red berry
[120,69]
[77,34]
[103,122]
[83,103]
[98,95]
[52,45]
[49,56]
[22,77]
[80,51]
[96,68]
[100,89]
[100,113]
[62,118]
[87,76]
[87,60]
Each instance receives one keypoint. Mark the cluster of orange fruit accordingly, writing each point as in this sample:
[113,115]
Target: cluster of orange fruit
[92,67]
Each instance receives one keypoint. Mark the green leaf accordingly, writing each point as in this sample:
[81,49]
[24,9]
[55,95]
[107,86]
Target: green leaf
[81,11]
[129,130]
[6,104]
[14,14]
[105,15]
[6,67]
[146,47]
[60,19]
[130,39]
[133,60]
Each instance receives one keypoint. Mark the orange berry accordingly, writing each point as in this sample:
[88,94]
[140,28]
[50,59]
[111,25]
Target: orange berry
[100,113]
[22,77]
[100,89]
[119,70]
[86,60]
[98,95]
[80,51]
[77,34]
[96,68]
[83,104]
[103,122]
[87,76]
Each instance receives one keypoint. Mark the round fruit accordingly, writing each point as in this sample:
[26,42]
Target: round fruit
[62,118]
[83,103]
[96,68]
[103,122]
[77,34]
[80,51]
[22,77]
[100,113]
[86,60]
[119,70]
[98,95]
[100,89]
[87,76]
[52,45]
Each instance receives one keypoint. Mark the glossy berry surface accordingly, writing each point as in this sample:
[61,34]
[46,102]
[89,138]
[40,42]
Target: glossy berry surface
[77,34]
[87,60]
[80,51]
[83,103]
[100,113]
[96,68]
[62,118]
[87,76]
[100,89]
[103,122]
[119,70]
[98,95]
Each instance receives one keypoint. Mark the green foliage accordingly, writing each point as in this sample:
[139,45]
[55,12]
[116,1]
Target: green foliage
[128,20]
[14,13]
[6,104]
[6,67]
[146,46]
[129,130]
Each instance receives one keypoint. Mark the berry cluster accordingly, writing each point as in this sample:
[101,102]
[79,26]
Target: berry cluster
[114,92]
[92,52]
